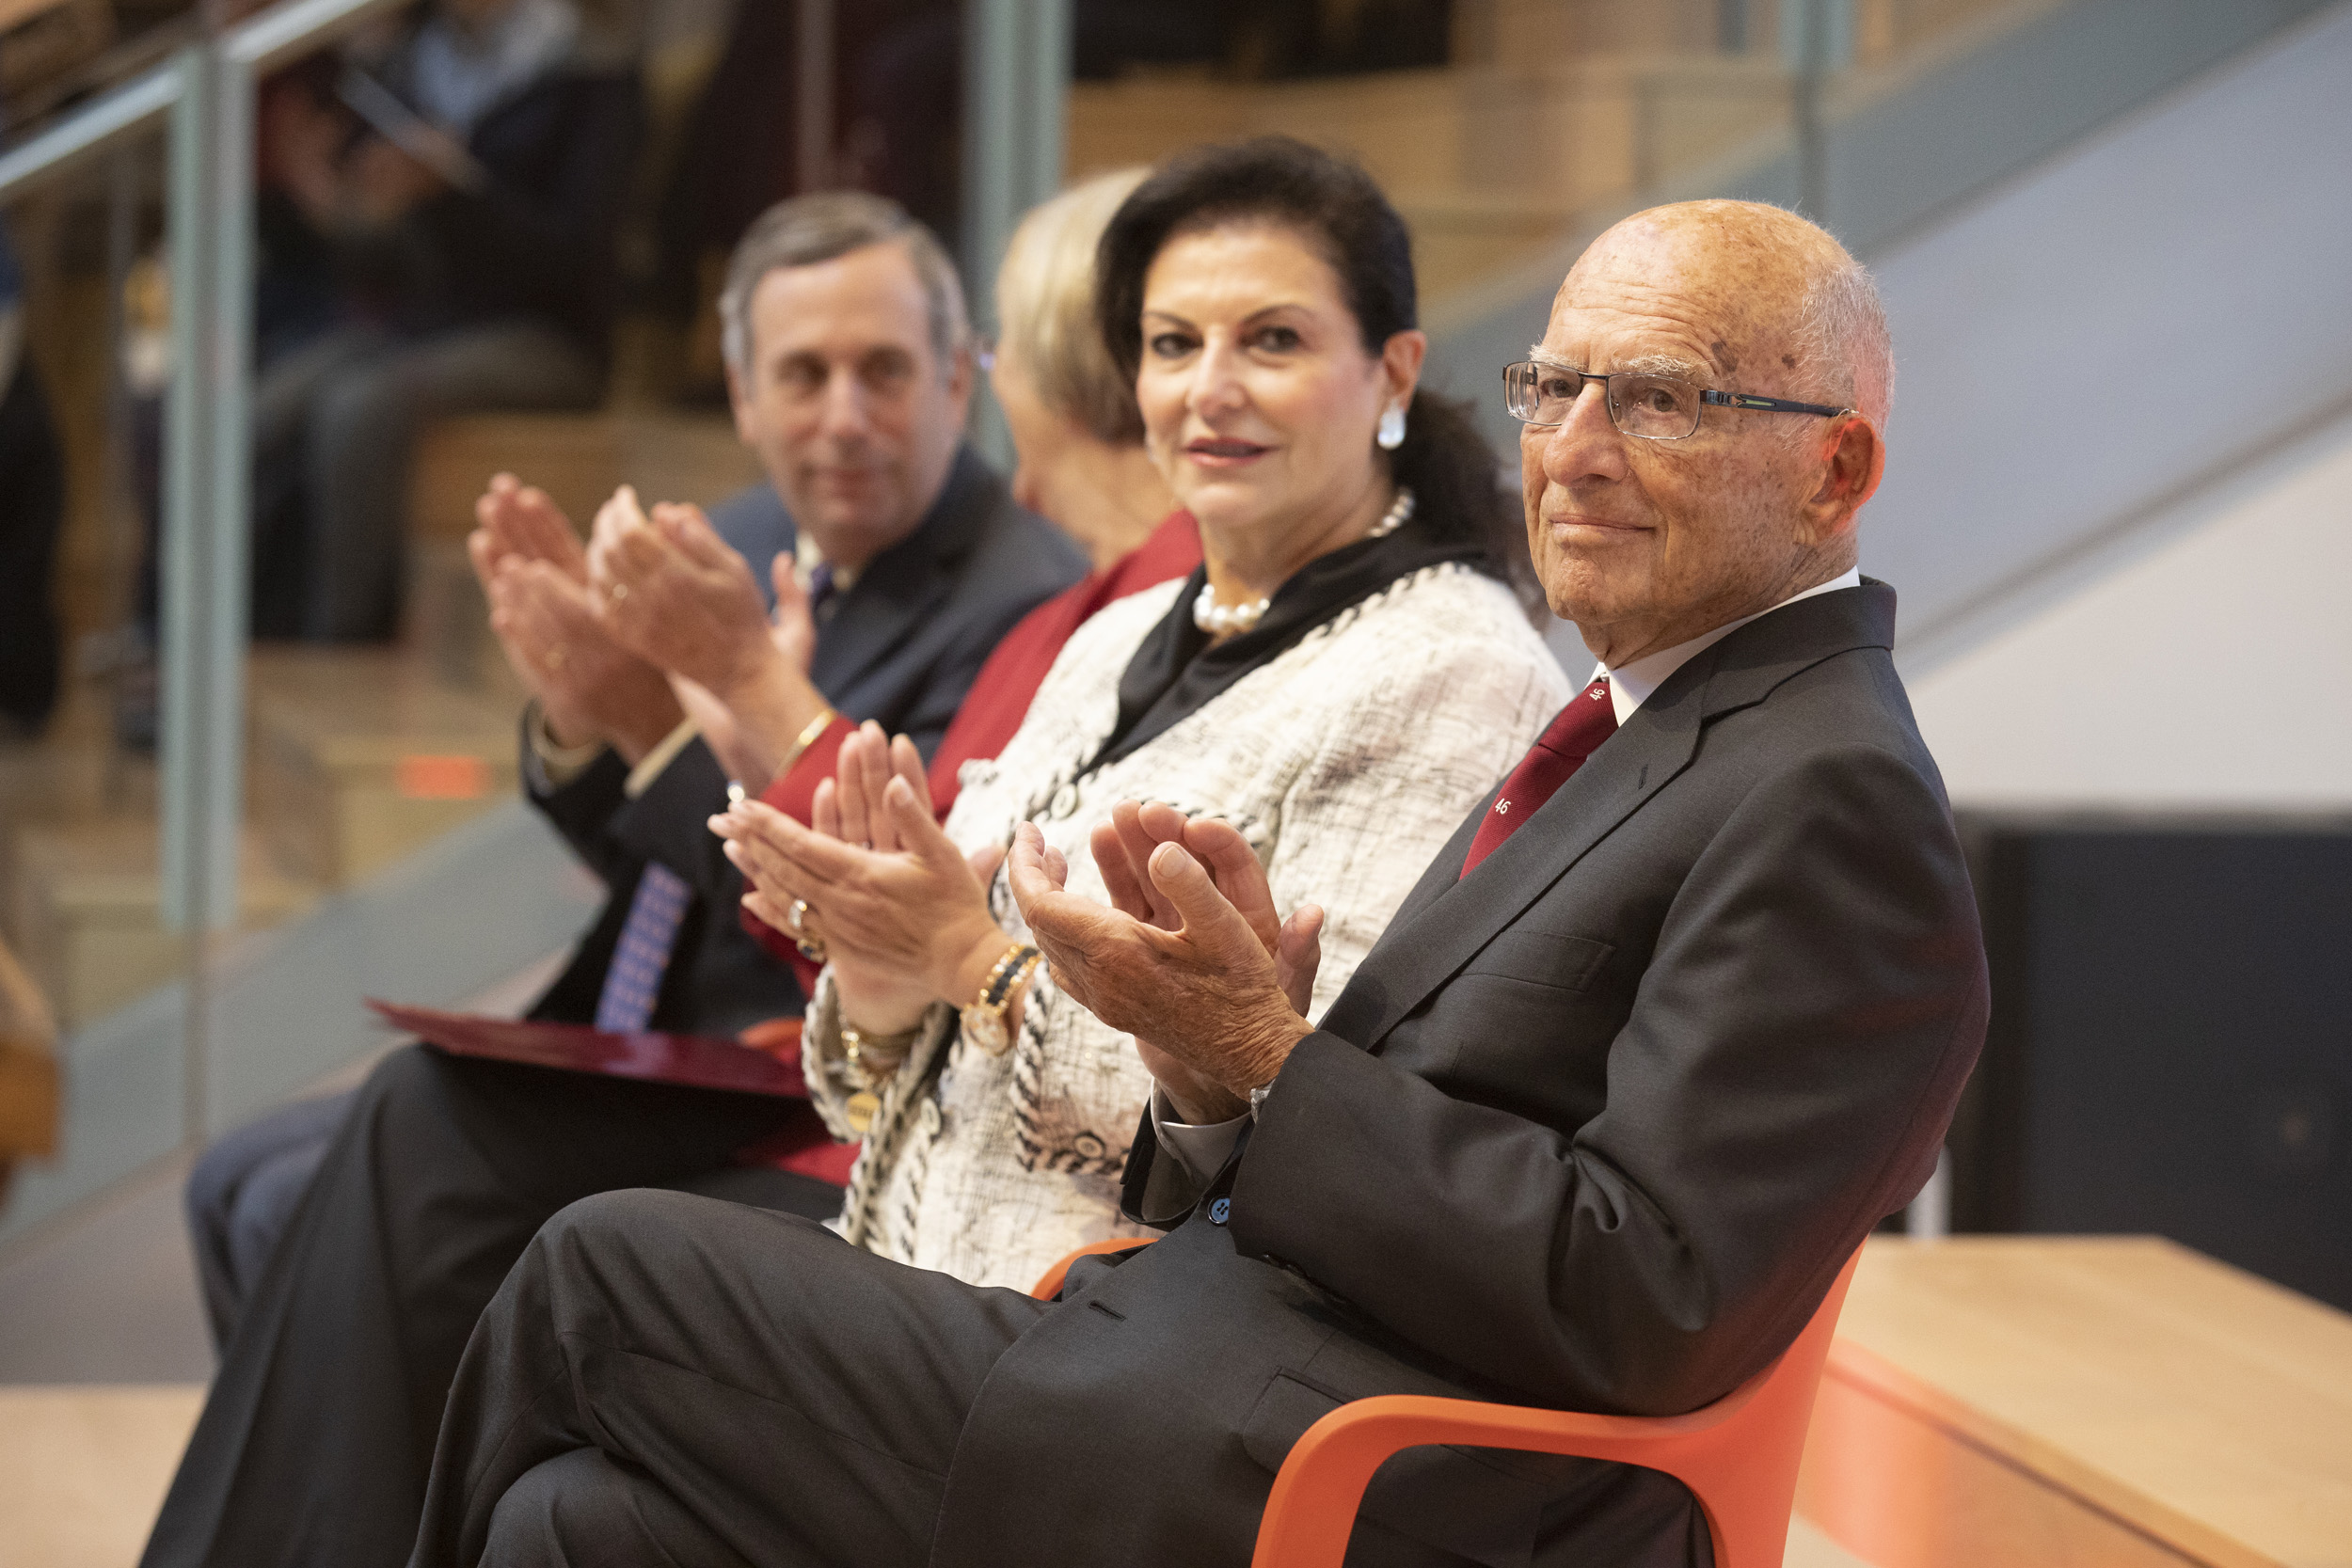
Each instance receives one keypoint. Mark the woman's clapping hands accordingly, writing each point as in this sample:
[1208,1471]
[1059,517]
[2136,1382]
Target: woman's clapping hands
[903,915]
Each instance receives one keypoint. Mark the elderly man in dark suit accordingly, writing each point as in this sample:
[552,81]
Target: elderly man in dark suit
[1679,1014]
[348,1245]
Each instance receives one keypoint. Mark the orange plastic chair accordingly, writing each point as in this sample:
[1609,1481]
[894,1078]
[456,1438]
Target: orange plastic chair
[1739,1456]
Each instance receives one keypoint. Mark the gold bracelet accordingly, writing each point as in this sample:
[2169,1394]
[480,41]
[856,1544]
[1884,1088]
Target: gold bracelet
[815,727]
[858,1047]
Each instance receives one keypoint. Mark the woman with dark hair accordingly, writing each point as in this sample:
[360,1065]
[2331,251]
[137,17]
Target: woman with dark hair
[1341,679]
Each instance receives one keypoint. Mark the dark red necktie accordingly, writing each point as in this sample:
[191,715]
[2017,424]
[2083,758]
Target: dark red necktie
[1589,719]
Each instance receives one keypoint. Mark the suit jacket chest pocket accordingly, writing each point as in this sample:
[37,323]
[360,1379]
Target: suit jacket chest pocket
[1551,959]
[1518,1017]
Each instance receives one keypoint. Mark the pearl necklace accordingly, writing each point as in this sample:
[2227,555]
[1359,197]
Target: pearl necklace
[1218,619]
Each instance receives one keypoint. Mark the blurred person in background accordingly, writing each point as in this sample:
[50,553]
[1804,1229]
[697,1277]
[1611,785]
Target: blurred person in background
[463,191]
[1341,678]
[348,1245]
[32,509]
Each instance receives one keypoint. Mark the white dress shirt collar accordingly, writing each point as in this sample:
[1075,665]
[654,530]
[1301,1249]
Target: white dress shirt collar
[1630,685]
[807,555]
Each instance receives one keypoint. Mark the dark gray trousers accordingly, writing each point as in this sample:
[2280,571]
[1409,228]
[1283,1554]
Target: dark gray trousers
[317,1435]
[664,1379]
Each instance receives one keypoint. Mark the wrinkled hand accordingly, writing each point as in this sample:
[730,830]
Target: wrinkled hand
[588,687]
[1203,1000]
[1123,847]
[672,591]
[904,923]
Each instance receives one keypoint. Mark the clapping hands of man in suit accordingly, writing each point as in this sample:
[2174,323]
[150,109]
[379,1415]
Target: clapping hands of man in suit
[668,588]
[656,619]
[1192,957]
[590,687]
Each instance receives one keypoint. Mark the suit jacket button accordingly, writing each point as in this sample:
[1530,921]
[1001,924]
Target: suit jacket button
[1219,1209]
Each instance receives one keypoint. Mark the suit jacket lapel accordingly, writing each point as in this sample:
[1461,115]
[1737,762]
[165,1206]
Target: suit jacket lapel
[906,583]
[1448,917]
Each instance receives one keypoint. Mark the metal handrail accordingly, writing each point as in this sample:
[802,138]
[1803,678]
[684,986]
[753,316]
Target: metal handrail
[134,107]
[276,35]
[205,97]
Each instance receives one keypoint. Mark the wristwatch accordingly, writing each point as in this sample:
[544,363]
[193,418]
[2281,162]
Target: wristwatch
[984,1017]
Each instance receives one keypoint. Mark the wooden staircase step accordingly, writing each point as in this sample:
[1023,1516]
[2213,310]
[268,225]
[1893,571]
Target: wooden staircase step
[85,903]
[361,755]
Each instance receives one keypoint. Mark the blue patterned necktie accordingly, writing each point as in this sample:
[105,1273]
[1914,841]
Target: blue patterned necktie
[633,980]
[820,589]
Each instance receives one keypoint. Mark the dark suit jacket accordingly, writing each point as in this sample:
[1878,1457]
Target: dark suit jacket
[900,646]
[1594,1127]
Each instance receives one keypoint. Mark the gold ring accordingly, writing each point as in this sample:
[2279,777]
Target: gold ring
[812,946]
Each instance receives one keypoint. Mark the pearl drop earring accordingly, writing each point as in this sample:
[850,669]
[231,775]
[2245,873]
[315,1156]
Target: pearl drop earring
[1391,434]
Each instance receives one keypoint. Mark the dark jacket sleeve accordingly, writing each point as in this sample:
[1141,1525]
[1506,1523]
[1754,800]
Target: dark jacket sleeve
[1797,1040]
[581,807]
[669,822]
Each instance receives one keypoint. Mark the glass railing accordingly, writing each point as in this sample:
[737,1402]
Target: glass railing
[217,845]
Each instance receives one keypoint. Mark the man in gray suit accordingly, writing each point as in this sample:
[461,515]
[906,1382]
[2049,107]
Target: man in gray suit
[1679,1014]
[347,1245]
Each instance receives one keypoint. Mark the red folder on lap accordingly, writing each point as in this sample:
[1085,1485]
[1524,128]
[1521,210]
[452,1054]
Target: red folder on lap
[696,1059]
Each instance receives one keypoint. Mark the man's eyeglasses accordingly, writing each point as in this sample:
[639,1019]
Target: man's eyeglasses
[1654,407]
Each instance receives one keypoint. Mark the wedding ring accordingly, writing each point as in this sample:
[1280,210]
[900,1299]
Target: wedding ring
[799,913]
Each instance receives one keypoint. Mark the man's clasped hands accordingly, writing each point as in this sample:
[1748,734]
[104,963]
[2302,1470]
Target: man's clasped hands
[1190,956]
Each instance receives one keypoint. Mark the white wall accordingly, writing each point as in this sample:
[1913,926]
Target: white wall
[2153,307]
[2213,670]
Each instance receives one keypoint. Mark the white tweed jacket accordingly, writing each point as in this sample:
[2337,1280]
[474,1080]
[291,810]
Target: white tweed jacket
[1346,762]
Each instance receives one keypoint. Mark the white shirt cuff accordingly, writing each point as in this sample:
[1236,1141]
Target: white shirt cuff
[556,765]
[1201,1149]
[649,766]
